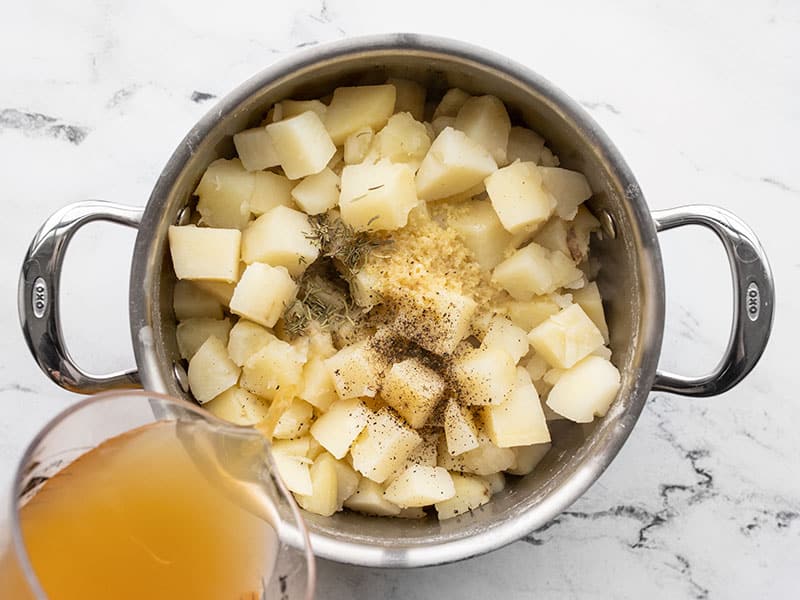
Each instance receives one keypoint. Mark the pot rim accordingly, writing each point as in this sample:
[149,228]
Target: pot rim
[651,317]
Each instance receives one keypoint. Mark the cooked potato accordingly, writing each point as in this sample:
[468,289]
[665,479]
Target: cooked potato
[413,390]
[383,445]
[518,197]
[293,465]
[420,485]
[192,333]
[481,231]
[302,144]
[469,494]
[189,301]
[317,387]
[245,339]
[339,427]
[534,270]
[484,376]
[589,299]
[317,193]
[377,197]
[238,406]
[256,149]
[368,499]
[205,252]
[527,457]
[460,432]
[211,371]
[524,145]
[352,108]
[566,337]
[451,103]
[292,108]
[485,120]
[294,421]
[585,390]
[357,145]
[354,371]
[263,293]
[410,97]
[276,364]
[225,193]
[324,497]
[280,238]
[502,333]
[403,140]
[519,421]
[569,188]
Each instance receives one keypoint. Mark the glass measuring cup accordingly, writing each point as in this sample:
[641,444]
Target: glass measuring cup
[228,463]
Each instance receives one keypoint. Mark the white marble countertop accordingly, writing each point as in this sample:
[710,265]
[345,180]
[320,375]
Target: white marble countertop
[702,100]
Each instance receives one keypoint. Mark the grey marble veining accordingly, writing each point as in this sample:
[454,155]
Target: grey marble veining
[704,499]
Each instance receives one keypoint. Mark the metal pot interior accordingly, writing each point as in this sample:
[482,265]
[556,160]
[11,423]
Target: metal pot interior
[631,280]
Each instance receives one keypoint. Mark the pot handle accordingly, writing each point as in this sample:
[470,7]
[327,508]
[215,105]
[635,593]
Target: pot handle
[753,299]
[38,295]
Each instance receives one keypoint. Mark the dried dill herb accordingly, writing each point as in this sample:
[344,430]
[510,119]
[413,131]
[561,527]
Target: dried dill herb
[319,299]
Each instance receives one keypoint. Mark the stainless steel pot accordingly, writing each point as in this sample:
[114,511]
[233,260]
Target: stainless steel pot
[631,281]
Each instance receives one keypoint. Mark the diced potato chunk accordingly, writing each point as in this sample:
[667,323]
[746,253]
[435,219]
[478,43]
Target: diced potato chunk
[318,387]
[413,390]
[454,163]
[519,421]
[496,482]
[192,333]
[205,252]
[347,482]
[436,321]
[338,428]
[293,466]
[439,124]
[357,145]
[565,338]
[410,97]
[354,370]
[569,188]
[368,499]
[324,497]
[221,290]
[530,313]
[263,293]
[470,493]
[459,429]
[591,302]
[527,457]
[585,390]
[294,421]
[276,364]
[420,485]
[524,145]
[280,239]
[270,190]
[519,199]
[485,120]
[386,443]
[292,108]
[483,460]
[225,191]
[451,103]
[536,367]
[484,376]
[352,108]
[534,270]
[547,158]
[211,371]
[362,289]
[256,149]
[378,196]
[302,144]
[503,334]
[481,231]
[246,338]
[403,140]
[238,406]
[189,301]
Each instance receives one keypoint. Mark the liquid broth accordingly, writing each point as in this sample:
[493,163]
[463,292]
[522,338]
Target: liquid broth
[136,518]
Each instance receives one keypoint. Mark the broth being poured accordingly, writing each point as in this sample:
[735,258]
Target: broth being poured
[139,517]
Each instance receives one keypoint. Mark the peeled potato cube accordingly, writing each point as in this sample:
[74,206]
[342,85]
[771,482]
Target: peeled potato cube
[192,333]
[403,140]
[323,499]
[484,376]
[211,371]
[547,158]
[585,390]
[294,421]
[528,314]
[347,482]
[256,149]
[410,97]
[503,334]
[205,252]
[413,390]
[569,188]
[459,429]
[536,367]
[470,493]
[318,387]
[420,485]
[354,371]
[245,339]
[519,199]
[485,120]
[589,299]
[279,238]
[454,163]
[292,108]
[495,481]
[276,364]
[357,145]
[238,406]
[302,144]
[270,190]
[439,124]
[221,290]
[293,466]
[368,499]
[534,270]
[225,191]
[377,197]
[386,443]
[527,457]
[519,421]
[338,428]
[451,103]
[189,301]
[565,338]
[263,293]
[524,145]
[477,225]
[352,108]
[363,289]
